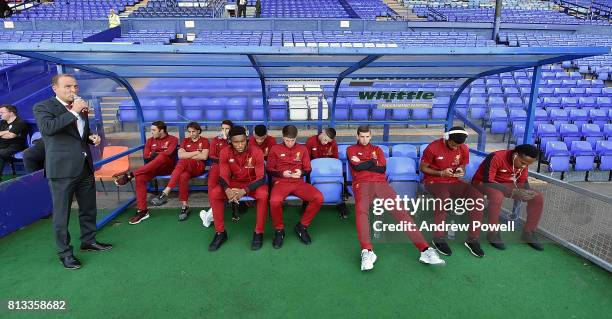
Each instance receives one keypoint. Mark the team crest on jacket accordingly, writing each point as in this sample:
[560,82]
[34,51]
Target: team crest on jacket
[297,156]
[457,160]
[249,162]
[231,160]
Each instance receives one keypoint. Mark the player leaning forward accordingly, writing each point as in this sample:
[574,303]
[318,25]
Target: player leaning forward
[443,164]
[241,174]
[368,166]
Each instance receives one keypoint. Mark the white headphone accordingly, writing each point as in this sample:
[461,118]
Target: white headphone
[447,134]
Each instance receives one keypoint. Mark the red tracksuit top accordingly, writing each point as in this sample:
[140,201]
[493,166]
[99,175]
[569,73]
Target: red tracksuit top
[440,157]
[241,170]
[217,144]
[368,153]
[317,150]
[166,145]
[265,146]
[190,146]
[281,158]
[497,167]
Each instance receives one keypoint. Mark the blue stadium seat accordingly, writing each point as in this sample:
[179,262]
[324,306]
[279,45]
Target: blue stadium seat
[598,117]
[385,150]
[607,131]
[541,117]
[326,176]
[545,133]
[569,133]
[604,154]
[405,150]
[591,133]
[558,116]
[477,106]
[517,116]
[498,121]
[472,166]
[402,175]
[579,116]
[557,157]
[583,156]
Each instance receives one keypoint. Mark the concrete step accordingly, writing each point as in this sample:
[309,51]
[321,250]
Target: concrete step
[129,10]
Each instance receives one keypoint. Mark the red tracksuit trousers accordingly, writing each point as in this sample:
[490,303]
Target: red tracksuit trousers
[365,193]
[456,190]
[301,189]
[213,176]
[185,169]
[218,198]
[496,199]
[160,165]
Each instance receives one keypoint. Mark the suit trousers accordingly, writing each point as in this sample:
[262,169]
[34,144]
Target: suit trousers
[62,192]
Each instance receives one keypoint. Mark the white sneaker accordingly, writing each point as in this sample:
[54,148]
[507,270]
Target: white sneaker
[368,258]
[430,256]
[207,217]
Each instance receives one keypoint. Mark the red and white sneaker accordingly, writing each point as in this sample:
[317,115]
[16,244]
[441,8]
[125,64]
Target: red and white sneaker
[140,216]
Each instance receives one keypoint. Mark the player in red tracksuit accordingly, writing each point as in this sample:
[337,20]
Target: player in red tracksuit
[242,174]
[288,163]
[192,156]
[216,145]
[443,164]
[262,140]
[324,145]
[368,166]
[160,157]
[504,174]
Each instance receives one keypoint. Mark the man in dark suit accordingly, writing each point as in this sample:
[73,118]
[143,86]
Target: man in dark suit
[64,125]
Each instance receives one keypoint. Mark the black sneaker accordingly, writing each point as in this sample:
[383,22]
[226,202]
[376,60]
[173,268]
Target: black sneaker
[474,246]
[302,233]
[219,239]
[441,246]
[532,240]
[184,213]
[279,236]
[160,200]
[342,210]
[495,240]
[257,241]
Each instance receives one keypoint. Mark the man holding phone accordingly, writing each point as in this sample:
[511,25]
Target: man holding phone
[504,174]
[288,163]
[443,164]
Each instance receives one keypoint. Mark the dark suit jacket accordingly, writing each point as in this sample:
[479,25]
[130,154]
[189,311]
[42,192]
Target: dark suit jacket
[63,146]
